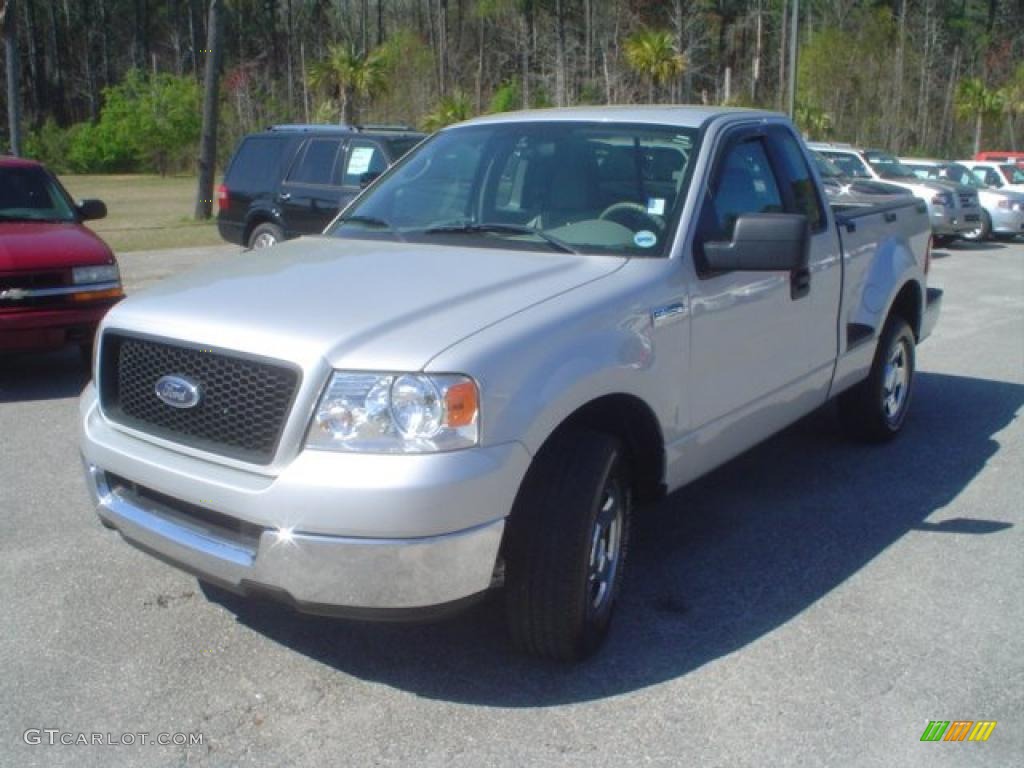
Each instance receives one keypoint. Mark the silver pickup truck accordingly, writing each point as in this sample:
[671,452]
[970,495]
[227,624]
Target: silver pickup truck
[528,327]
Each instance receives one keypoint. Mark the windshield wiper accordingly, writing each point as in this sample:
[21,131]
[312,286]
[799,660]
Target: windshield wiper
[373,221]
[500,229]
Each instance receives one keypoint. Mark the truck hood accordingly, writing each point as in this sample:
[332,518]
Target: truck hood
[359,304]
[38,245]
[921,186]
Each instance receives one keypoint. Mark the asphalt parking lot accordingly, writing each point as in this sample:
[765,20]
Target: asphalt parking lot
[812,603]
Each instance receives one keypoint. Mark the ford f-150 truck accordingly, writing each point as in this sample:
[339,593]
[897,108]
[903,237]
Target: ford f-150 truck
[529,326]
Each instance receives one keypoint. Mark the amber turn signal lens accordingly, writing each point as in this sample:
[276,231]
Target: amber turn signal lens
[460,404]
[109,293]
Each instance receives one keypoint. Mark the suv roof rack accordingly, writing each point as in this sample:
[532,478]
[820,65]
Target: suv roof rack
[343,128]
[309,127]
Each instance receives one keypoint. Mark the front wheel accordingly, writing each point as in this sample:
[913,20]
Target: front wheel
[875,409]
[566,546]
[983,231]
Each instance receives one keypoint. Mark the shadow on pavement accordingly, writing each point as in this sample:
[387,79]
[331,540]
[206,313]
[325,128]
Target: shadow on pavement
[42,375]
[714,567]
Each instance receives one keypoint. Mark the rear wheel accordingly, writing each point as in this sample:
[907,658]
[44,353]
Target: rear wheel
[265,236]
[982,232]
[566,546]
[875,409]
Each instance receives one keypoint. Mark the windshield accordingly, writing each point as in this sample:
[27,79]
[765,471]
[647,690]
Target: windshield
[29,194]
[826,168]
[850,165]
[962,175]
[888,166]
[1013,174]
[567,186]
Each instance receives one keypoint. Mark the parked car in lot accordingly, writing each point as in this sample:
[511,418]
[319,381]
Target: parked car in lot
[291,180]
[1000,156]
[1002,211]
[1006,176]
[952,209]
[57,278]
[533,323]
[842,189]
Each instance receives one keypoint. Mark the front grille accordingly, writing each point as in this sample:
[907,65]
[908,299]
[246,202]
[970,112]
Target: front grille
[968,201]
[33,281]
[243,404]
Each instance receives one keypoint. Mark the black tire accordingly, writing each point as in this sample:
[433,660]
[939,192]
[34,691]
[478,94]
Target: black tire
[943,241]
[566,546]
[265,236]
[983,232]
[875,409]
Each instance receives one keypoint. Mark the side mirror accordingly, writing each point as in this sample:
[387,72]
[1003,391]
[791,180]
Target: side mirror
[368,178]
[91,209]
[762,242]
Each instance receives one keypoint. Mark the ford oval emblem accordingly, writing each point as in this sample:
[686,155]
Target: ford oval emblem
[178,391]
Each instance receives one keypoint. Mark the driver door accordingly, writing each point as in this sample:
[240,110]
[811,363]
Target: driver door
[761,341]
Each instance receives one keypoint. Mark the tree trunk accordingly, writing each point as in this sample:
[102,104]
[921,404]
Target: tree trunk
[211,103]
[560,88]
[348,105]
[977,132]
[9,23]
[782,55]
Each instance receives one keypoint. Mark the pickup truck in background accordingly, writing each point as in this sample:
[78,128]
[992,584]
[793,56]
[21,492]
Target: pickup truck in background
[846,190]
[1002,176]
[1002,214]
[532,324]
[953,209]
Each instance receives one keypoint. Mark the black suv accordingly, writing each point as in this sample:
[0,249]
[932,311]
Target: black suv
[291,180]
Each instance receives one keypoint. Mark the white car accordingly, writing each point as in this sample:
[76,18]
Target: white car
[1005,176]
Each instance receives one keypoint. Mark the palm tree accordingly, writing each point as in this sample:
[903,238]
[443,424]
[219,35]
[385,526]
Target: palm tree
[651,54]
[351,76]
[450,109]
[974,100]
[1013,102]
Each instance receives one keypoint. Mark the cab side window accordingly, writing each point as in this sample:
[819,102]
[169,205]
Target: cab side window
[802,189]
[744,183]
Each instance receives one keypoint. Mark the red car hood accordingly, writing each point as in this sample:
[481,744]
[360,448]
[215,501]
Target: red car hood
[36,245]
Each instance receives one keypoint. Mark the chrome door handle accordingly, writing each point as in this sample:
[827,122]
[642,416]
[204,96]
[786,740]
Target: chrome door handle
[284,197]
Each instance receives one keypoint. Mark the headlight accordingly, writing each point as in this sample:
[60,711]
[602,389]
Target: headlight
[105,273]
[396,413]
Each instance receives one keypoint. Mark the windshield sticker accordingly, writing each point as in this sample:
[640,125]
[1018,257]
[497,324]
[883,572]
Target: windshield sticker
[359,161]
[645,239]
[656,205]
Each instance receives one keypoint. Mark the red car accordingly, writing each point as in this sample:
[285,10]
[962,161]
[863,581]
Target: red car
[57,278]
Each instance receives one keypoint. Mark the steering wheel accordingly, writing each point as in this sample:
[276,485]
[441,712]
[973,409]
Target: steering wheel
[632,215]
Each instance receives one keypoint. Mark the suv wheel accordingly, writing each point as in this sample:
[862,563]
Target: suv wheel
[982,232]
[265,236]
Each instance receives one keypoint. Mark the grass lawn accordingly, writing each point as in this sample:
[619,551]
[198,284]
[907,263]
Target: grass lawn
[145,212]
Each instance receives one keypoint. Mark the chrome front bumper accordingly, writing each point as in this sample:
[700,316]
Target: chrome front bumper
[438,524]
[954,222]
